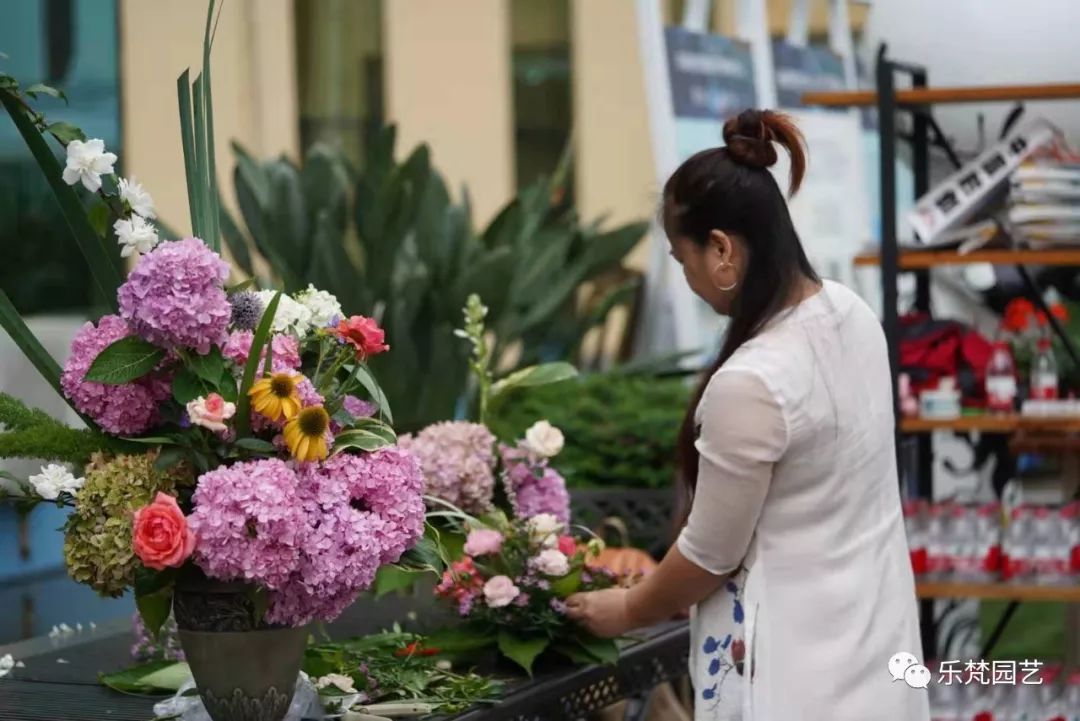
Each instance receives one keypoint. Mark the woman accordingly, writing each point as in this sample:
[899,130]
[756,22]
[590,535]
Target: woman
[793,552]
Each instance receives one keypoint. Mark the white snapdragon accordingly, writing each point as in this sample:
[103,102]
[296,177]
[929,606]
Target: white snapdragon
[135,235]
[291,317]
[136,196]
[544,439]
[339,681]
[324,307]
[53,480]
[87,162]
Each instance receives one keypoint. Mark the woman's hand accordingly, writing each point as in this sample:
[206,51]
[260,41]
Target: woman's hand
[601,613]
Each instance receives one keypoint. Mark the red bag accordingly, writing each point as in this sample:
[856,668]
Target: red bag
[934,349]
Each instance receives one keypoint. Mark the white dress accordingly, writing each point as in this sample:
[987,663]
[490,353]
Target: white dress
[798,498]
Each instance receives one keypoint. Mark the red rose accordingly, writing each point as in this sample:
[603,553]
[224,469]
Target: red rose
[1018,315]
[364,334]
[567,545]
[160,534]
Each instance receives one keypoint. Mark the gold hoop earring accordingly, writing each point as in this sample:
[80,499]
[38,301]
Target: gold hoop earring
[725,288]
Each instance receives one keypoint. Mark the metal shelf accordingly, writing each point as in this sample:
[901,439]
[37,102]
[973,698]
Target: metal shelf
[924,259]
[990,424]
[931,96]
[998,591]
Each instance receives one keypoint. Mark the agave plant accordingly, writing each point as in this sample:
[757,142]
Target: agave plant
[411,258]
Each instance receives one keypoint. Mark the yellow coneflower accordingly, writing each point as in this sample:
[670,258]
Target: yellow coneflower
[276,397]
[305,434]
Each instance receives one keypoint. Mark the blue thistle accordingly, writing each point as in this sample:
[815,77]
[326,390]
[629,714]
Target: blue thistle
[247,309]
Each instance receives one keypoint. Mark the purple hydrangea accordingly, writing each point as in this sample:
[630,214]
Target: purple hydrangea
[286,356]
[532,486]
[175,296]
[249,522]
[363,511]
[123,409]
[458,461]
[358,407]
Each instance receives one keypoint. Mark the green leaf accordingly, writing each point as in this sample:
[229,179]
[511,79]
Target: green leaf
[65,132]
[187,386]
[213,199]
[539,375]
[604,650]
[361,440]
[40,89]
[169,458]
[156,678]
[99,214]
[390,579]
[567,585]
[367,380]
[187,140]
[125,360]
[460,639]
[262,335]
[255,444]
[198,94]
[209,367]
[154,609]
[28,343]
[260,602]
[102,259]
[522,651]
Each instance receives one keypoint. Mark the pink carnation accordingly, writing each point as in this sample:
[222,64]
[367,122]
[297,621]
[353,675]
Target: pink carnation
[249,522]
[286,351]
[119,409]
[175,296]
[363,511]
[483,542]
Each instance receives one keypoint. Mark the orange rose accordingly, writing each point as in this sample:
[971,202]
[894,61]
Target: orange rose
[160,536]
[364,334]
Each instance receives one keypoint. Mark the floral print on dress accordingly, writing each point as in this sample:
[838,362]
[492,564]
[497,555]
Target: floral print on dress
[721,651]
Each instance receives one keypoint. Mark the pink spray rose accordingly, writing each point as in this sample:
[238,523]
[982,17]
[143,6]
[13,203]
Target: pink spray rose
[500,592]
[483,541]
[160,534]
[567,545]
[211,412]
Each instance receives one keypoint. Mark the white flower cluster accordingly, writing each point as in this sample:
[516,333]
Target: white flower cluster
[309,309]
[86,163]
[53,480]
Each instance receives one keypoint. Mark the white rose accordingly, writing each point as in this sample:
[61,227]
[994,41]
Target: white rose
[87,162]
[552,562]
[135,235]
[544,529]
[544,439]
[324,307]
[53,480]
[134,194]
[500,592]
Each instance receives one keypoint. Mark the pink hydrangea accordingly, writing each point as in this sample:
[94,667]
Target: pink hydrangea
[363,511]
[119,409]
[249,522]
[358,407]
[175,296]
[532,486]
[286,356]
[458,460]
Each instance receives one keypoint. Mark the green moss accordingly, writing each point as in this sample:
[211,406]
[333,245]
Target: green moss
[620,430]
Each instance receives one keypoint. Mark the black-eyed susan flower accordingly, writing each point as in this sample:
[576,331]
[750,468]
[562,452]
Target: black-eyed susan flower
[305,434]
[277,396]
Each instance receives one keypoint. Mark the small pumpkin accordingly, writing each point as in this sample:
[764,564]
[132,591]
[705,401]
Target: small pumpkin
[628,564]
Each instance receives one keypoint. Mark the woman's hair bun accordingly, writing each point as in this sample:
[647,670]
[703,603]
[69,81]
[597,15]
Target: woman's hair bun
[750,137]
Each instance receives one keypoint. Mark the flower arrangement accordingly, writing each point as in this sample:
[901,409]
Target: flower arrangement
[236,434]
[510,588]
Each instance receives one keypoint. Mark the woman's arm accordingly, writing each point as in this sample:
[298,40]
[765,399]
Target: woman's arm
[744,433]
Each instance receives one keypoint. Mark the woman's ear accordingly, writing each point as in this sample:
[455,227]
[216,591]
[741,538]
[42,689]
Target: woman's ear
[721,244]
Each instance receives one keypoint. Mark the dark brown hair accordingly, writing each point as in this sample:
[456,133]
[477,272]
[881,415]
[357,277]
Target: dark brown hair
[731,189]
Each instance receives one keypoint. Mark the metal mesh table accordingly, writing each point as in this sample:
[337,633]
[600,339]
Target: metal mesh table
[59,681]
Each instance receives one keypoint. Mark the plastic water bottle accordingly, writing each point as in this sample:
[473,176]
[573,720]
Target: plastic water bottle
[1044,372]
[1016,546]
[1046,544]
[914,525]
[962,550]
[988,542]
[1072,696]
[1070,527]
[938,543]
[1001,380]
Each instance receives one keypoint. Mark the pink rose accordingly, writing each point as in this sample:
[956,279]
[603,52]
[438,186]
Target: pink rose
[364,334]
[483,541]
[500,592]
[211,412]
[552,562]
[160,535]
[567,545]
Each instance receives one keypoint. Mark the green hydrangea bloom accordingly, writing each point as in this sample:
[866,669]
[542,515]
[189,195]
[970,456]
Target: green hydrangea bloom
[97,546]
